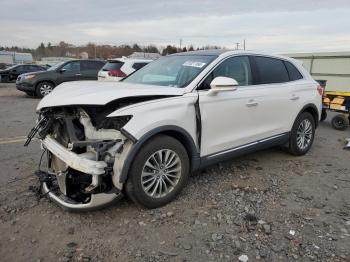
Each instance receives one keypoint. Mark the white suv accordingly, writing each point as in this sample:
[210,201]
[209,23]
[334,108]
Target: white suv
[143,136]
[117,69]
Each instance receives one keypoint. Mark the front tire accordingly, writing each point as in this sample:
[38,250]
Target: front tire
[158,173]
[44,88]
[4,79]
[302,134]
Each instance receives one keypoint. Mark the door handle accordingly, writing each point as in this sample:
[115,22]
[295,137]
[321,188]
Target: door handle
[78,74]
[294,97]
[252,103]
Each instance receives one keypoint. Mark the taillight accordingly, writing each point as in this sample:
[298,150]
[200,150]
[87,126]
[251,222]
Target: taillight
[117,73]
[320,90]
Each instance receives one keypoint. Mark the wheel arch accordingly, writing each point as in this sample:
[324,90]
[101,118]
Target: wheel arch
[312,109]
[176,132]
[46,80]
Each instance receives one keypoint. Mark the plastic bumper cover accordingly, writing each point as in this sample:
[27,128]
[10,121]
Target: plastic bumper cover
[97,201]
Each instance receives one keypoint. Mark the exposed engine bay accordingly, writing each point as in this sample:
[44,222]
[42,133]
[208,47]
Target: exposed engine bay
[82,146]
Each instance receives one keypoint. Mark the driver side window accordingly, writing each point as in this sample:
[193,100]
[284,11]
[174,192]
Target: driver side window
[234,67]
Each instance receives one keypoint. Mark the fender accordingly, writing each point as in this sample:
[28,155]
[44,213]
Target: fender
[315,112]
[190,147]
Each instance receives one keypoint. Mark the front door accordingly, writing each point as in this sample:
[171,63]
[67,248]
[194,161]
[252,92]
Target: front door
[229,118]
[69,72]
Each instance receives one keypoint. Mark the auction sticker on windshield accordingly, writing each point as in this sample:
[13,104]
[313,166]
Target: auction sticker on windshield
[194,64]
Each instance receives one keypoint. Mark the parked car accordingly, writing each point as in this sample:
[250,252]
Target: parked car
[4,66]
[143,135]
[117,69]
[11,73]
[42,83]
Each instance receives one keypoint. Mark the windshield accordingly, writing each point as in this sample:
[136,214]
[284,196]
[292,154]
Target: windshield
[172,71]
[55,66]
[10,67]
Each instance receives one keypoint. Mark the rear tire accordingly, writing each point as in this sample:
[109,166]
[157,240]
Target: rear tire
[159,172]
[302,134]
[323,115]
[44,88]
[340,122]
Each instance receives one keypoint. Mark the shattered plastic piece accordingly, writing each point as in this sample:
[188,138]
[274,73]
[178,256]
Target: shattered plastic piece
[243,258]
[292,232]
[347,146]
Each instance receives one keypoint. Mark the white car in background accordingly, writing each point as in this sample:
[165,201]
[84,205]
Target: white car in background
[144,135]
[117,69]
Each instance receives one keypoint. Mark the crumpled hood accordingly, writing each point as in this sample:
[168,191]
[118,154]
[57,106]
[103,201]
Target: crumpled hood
[101,93]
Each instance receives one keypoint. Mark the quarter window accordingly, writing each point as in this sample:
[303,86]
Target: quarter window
[293,72]
[271,70]
[237,68]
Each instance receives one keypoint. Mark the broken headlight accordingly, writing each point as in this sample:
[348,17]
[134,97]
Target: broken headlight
[114,122]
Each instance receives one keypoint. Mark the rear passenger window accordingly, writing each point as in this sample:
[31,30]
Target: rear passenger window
[271,70]
[293,72]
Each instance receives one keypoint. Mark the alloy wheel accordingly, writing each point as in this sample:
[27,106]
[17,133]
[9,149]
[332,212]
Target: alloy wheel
[45,89]
[161,173]
[304,134]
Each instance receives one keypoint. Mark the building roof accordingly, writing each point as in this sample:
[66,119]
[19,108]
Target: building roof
[320,54]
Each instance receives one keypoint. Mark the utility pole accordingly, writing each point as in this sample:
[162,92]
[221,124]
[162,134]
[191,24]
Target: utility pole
[237,46]
[244,44]
[95,50]
[180,43]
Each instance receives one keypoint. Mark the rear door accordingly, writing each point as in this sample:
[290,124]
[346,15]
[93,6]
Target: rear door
[274,100]
[89,69]
[303,91]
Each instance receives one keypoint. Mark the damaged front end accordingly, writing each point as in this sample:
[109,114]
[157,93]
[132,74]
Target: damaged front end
[84,153]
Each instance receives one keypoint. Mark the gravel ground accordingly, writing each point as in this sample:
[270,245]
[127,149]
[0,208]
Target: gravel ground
[266,206]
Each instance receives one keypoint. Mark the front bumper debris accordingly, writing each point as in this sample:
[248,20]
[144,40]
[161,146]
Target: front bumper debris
[96,201]
[54,184]
[81,160]
[73,160]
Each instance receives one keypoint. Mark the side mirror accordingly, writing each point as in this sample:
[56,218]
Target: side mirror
[62,70]
[222,84]
[14,70]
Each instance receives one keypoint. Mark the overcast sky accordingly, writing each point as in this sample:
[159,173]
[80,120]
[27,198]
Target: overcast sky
[269,25]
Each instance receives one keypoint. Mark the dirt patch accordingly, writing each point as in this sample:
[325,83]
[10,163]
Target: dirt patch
[9,90]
